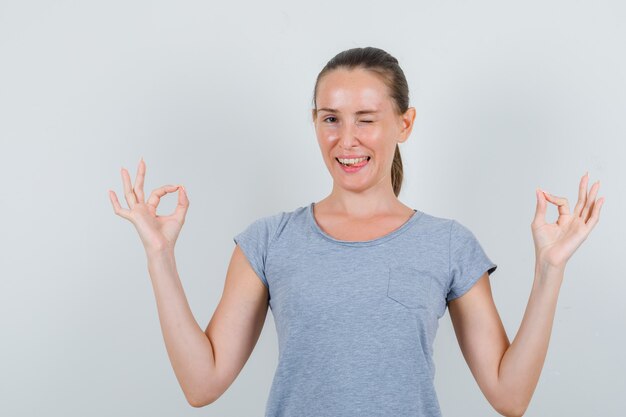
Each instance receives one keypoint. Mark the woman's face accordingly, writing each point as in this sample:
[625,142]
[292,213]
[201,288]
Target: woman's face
[356,118]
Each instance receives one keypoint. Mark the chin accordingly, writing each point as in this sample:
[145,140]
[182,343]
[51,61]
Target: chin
[351,186]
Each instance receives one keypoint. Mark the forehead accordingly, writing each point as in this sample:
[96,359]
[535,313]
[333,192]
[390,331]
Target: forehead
[349,89]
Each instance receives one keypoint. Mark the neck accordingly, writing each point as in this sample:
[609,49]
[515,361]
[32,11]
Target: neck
[364,204]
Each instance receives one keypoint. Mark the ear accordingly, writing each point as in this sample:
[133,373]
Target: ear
[408,119]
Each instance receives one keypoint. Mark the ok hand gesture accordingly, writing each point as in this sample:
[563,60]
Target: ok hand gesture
[157,233]
[556,242]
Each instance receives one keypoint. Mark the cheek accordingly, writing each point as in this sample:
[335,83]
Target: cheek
[326,148]
[327,133]
[370,135]
[326,143]
[370,132]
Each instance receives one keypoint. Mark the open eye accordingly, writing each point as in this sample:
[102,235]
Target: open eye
[330,117]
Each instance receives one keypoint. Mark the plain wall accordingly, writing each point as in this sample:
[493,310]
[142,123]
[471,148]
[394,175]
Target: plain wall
[217,96]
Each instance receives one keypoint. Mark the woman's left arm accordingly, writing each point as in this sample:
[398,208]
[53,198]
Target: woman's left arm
[508,373]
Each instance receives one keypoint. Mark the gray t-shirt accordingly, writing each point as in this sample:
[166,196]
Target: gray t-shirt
[356,321]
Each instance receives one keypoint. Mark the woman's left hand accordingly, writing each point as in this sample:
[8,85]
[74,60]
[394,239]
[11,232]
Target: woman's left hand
[556,242]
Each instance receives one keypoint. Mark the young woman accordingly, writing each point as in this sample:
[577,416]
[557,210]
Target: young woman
[358,281]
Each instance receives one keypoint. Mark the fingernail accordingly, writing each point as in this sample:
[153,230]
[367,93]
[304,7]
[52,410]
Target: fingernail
[586,174]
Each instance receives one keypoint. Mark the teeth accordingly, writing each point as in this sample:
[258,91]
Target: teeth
[351,161]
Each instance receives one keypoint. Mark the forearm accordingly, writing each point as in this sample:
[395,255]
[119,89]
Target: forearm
[188,347]
[523,361]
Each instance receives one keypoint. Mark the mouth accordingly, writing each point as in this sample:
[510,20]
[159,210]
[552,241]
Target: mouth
[354,162]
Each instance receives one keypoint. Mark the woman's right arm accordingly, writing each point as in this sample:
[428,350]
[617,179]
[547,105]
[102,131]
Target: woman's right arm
[205,362]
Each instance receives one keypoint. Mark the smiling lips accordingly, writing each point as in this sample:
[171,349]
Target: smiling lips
[357,165]
[353,161]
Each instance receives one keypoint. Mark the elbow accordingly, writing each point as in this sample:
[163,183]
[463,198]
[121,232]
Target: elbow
[201,398]
[512,413]
[197,402]
[512,409]
[509,406]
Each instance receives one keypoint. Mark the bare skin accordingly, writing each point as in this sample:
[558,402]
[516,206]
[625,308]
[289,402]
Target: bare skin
[205,362]
[361,206]
[508,373]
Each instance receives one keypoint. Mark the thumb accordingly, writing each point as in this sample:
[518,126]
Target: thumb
[540,211]
[183,204]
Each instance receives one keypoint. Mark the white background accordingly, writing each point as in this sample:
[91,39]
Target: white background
[217,96]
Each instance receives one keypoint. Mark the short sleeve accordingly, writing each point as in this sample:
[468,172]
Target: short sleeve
[255,241]
[468,261]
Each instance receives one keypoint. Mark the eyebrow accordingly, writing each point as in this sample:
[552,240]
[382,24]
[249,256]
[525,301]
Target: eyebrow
[337,111]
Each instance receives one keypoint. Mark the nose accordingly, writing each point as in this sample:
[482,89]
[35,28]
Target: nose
[347,136]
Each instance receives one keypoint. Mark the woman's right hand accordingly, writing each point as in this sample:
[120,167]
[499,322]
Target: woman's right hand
[157,233]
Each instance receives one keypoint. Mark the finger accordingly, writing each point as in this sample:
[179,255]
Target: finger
[156,195]
[561,203]
[540,211]
[117,208]
[129,194]
[590,201]
[582,195]
[141,175]
[183,204]
[595,213]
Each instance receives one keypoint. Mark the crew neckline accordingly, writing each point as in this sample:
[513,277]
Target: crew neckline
[311,218]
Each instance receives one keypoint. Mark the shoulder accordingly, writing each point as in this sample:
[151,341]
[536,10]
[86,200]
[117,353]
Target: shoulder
[452,228]
[444,231]
[435,227]
[268,227]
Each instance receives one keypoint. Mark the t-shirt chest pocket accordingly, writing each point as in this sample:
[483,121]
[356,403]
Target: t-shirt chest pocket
[410,286]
